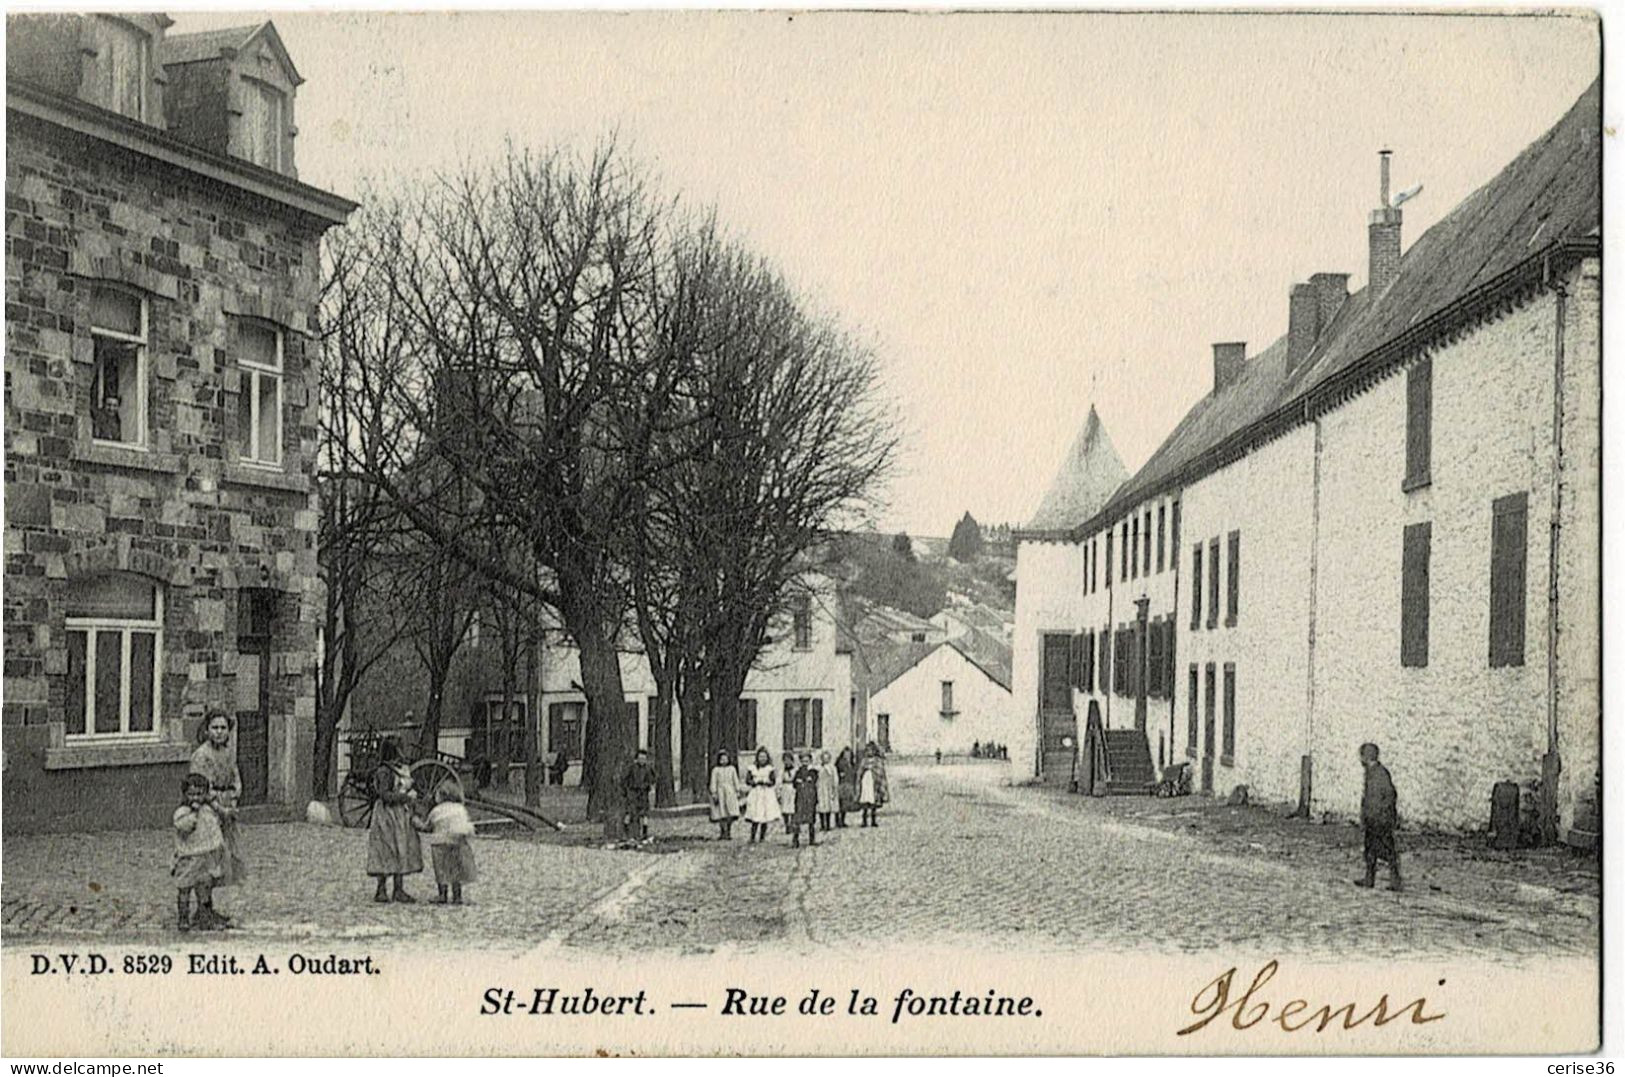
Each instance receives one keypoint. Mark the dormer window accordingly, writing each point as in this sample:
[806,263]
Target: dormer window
[124,66]
[264,121]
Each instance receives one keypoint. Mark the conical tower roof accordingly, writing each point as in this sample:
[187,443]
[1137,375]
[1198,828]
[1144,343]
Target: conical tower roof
[1089,475]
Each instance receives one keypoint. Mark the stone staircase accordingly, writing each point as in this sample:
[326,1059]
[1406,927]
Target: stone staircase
[1128,763]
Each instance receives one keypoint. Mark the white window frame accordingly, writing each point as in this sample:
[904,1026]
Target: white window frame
[125,627]
[140,441]
[252,373]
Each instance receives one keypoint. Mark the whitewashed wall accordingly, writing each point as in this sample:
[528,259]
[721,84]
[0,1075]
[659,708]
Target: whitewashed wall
[1049,595]
[914,702]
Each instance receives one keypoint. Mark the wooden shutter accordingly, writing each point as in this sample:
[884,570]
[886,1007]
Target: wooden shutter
[1162,535]
[1194,697]
[747,723]
[1233,580]
[1173,536]
[1196,586]
[1146,534]
[1419,425]
[1105,666]
[1509,555]
[1229,712]
[1108,559]
[1170,669]
[1213,583]
[817,738]
[1133,551]
[1413,623]
[789,739]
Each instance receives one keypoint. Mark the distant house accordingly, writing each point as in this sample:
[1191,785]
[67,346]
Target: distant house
[945,696]
[883,624]
[798,695]
[957,620]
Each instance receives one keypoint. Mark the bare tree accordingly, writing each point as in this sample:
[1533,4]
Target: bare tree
[791,438]
[525,375]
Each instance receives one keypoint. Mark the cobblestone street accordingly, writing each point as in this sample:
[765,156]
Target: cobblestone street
[958,856]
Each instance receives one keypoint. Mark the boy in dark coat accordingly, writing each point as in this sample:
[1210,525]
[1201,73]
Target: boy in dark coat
[636,785]
[1379,814]
[806,809]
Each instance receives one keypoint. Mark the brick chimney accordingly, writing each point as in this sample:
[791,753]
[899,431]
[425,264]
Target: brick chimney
[1330,291]
[1302,324]
[1384,232]
[1228,359]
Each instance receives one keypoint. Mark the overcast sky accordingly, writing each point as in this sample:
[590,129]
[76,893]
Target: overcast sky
[1024,213]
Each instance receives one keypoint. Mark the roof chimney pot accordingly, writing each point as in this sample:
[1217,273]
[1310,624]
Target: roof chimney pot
[1384,237]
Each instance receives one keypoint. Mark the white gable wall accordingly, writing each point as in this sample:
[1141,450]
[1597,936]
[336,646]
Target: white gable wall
[914,703]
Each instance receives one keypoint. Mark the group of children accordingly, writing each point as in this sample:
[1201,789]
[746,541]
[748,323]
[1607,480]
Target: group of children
[206,855]
[801,793]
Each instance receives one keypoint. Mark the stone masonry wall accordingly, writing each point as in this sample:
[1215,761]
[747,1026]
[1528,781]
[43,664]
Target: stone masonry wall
[183,512]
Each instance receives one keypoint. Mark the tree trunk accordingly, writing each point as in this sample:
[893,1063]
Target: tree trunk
[695,767]
[533,726]
[429,739]
[608,749]
[660,742]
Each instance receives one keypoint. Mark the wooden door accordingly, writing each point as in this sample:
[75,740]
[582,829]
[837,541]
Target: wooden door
[253,702]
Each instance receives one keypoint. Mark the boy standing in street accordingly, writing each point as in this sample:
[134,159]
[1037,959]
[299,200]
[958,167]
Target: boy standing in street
[636,785]
[1379,814]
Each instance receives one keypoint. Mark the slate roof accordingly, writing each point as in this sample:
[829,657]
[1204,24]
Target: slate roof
[991,656]
[1089,473]
[210,44]
[206,44]
[1548,195]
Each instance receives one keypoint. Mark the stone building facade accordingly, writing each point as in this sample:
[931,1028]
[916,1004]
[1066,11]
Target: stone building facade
[161,425]
[1385,527]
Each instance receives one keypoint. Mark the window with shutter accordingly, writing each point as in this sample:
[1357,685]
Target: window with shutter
[1413,621]
[1162,534]
[1213,583]
[817,738]
[1419,425]
[1173,536]
[747,725]
[1153,660]
[1123,551]
[1145,535]
[1196,587]
[1232,580]
[1509,552]
[1108,560]
[1134,551]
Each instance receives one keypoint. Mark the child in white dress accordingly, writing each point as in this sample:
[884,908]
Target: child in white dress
[450,828]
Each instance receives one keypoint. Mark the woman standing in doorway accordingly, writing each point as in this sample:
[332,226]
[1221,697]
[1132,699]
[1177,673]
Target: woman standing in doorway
[216,759]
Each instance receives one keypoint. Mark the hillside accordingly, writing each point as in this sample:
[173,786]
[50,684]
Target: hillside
[920,581]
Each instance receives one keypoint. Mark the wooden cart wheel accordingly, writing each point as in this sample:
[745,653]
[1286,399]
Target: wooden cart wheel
[429,775]
[355,803]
